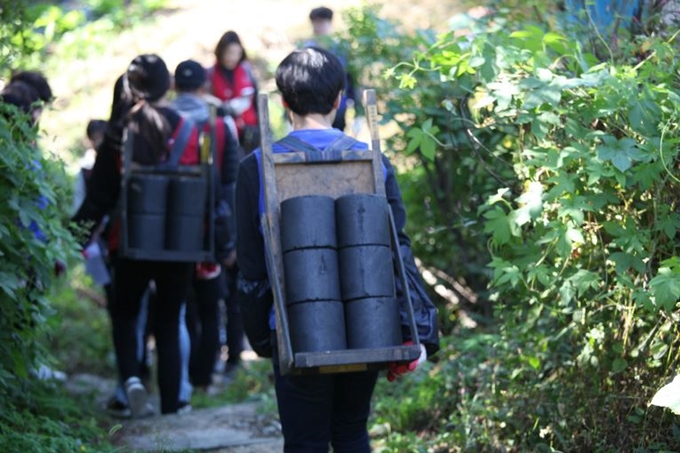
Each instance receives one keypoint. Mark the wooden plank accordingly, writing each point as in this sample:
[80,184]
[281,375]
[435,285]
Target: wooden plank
[357,356]
[324,179]
[169,255]
[337,157]
[371,108]
[272,237]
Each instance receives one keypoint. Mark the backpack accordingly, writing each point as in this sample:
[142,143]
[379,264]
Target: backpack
[161,217]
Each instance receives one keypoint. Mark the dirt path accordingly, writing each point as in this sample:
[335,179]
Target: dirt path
[232,428]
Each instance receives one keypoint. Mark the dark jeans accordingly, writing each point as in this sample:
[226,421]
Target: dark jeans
[235,332]
[321,410]
[203,322]
[172,283]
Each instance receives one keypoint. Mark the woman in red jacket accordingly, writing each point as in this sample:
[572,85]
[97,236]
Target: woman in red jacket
[231,80]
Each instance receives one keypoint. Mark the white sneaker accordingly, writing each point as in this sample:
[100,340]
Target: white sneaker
[184,408]
[137,397]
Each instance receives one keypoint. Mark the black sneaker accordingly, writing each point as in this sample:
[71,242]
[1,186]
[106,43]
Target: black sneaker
[230,368]
[118,409]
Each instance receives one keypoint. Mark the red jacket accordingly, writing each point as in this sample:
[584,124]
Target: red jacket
[225,89]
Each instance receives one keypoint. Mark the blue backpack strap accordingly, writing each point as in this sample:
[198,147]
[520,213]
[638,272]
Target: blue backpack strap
[180,143]
[297,145]
[344,143]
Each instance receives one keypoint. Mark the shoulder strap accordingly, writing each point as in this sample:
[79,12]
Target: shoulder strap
[344,143]
[180,143]
[295,144]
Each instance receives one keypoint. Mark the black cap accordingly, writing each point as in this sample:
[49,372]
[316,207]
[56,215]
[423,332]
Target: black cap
[189,75]
[148,77]
[321,13]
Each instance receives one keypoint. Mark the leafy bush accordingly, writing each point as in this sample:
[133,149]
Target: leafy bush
[30,29]
[43,418]
[32,240]
[558,170]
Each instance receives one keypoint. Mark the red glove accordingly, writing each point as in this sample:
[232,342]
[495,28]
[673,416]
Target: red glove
[395,369]
[207,271]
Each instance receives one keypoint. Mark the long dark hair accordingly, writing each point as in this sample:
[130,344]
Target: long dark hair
[228,38]
[148,79]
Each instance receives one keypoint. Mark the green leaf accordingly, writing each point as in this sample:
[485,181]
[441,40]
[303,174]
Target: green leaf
[500,196]
[532,199]
[510,275]
[428,147]
[416,136]
[619,365]
[476,61]
[624,261]
[498,224]
[665,287]
[583,280]
[574,236]
[545,94]
[534,362]
[622,153]
[669,224]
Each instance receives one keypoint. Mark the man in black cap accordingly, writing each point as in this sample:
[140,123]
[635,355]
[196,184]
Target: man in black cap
[190,81]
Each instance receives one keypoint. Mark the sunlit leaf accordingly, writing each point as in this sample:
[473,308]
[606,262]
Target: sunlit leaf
[668,396]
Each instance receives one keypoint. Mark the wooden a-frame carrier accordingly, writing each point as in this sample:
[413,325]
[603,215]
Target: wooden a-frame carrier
[294,174]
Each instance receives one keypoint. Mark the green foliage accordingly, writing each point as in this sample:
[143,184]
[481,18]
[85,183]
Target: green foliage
[79,332]
[29,30]
[447,173]
[44,419]
[32,240]
[251,382]
[520,149]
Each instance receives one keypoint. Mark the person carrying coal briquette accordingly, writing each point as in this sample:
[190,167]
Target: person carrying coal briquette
[324,410]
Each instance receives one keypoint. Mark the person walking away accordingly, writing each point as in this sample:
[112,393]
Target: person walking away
[153,127]
[95,136]
[321,19]
[316,411]
[232,81]
[209,281]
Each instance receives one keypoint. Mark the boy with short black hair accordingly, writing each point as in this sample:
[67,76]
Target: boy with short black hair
[322,20]
[321,410]
[210,279]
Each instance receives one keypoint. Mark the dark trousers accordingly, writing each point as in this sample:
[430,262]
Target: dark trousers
[172,283]
[322,410]
[203,323]
[235,332]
